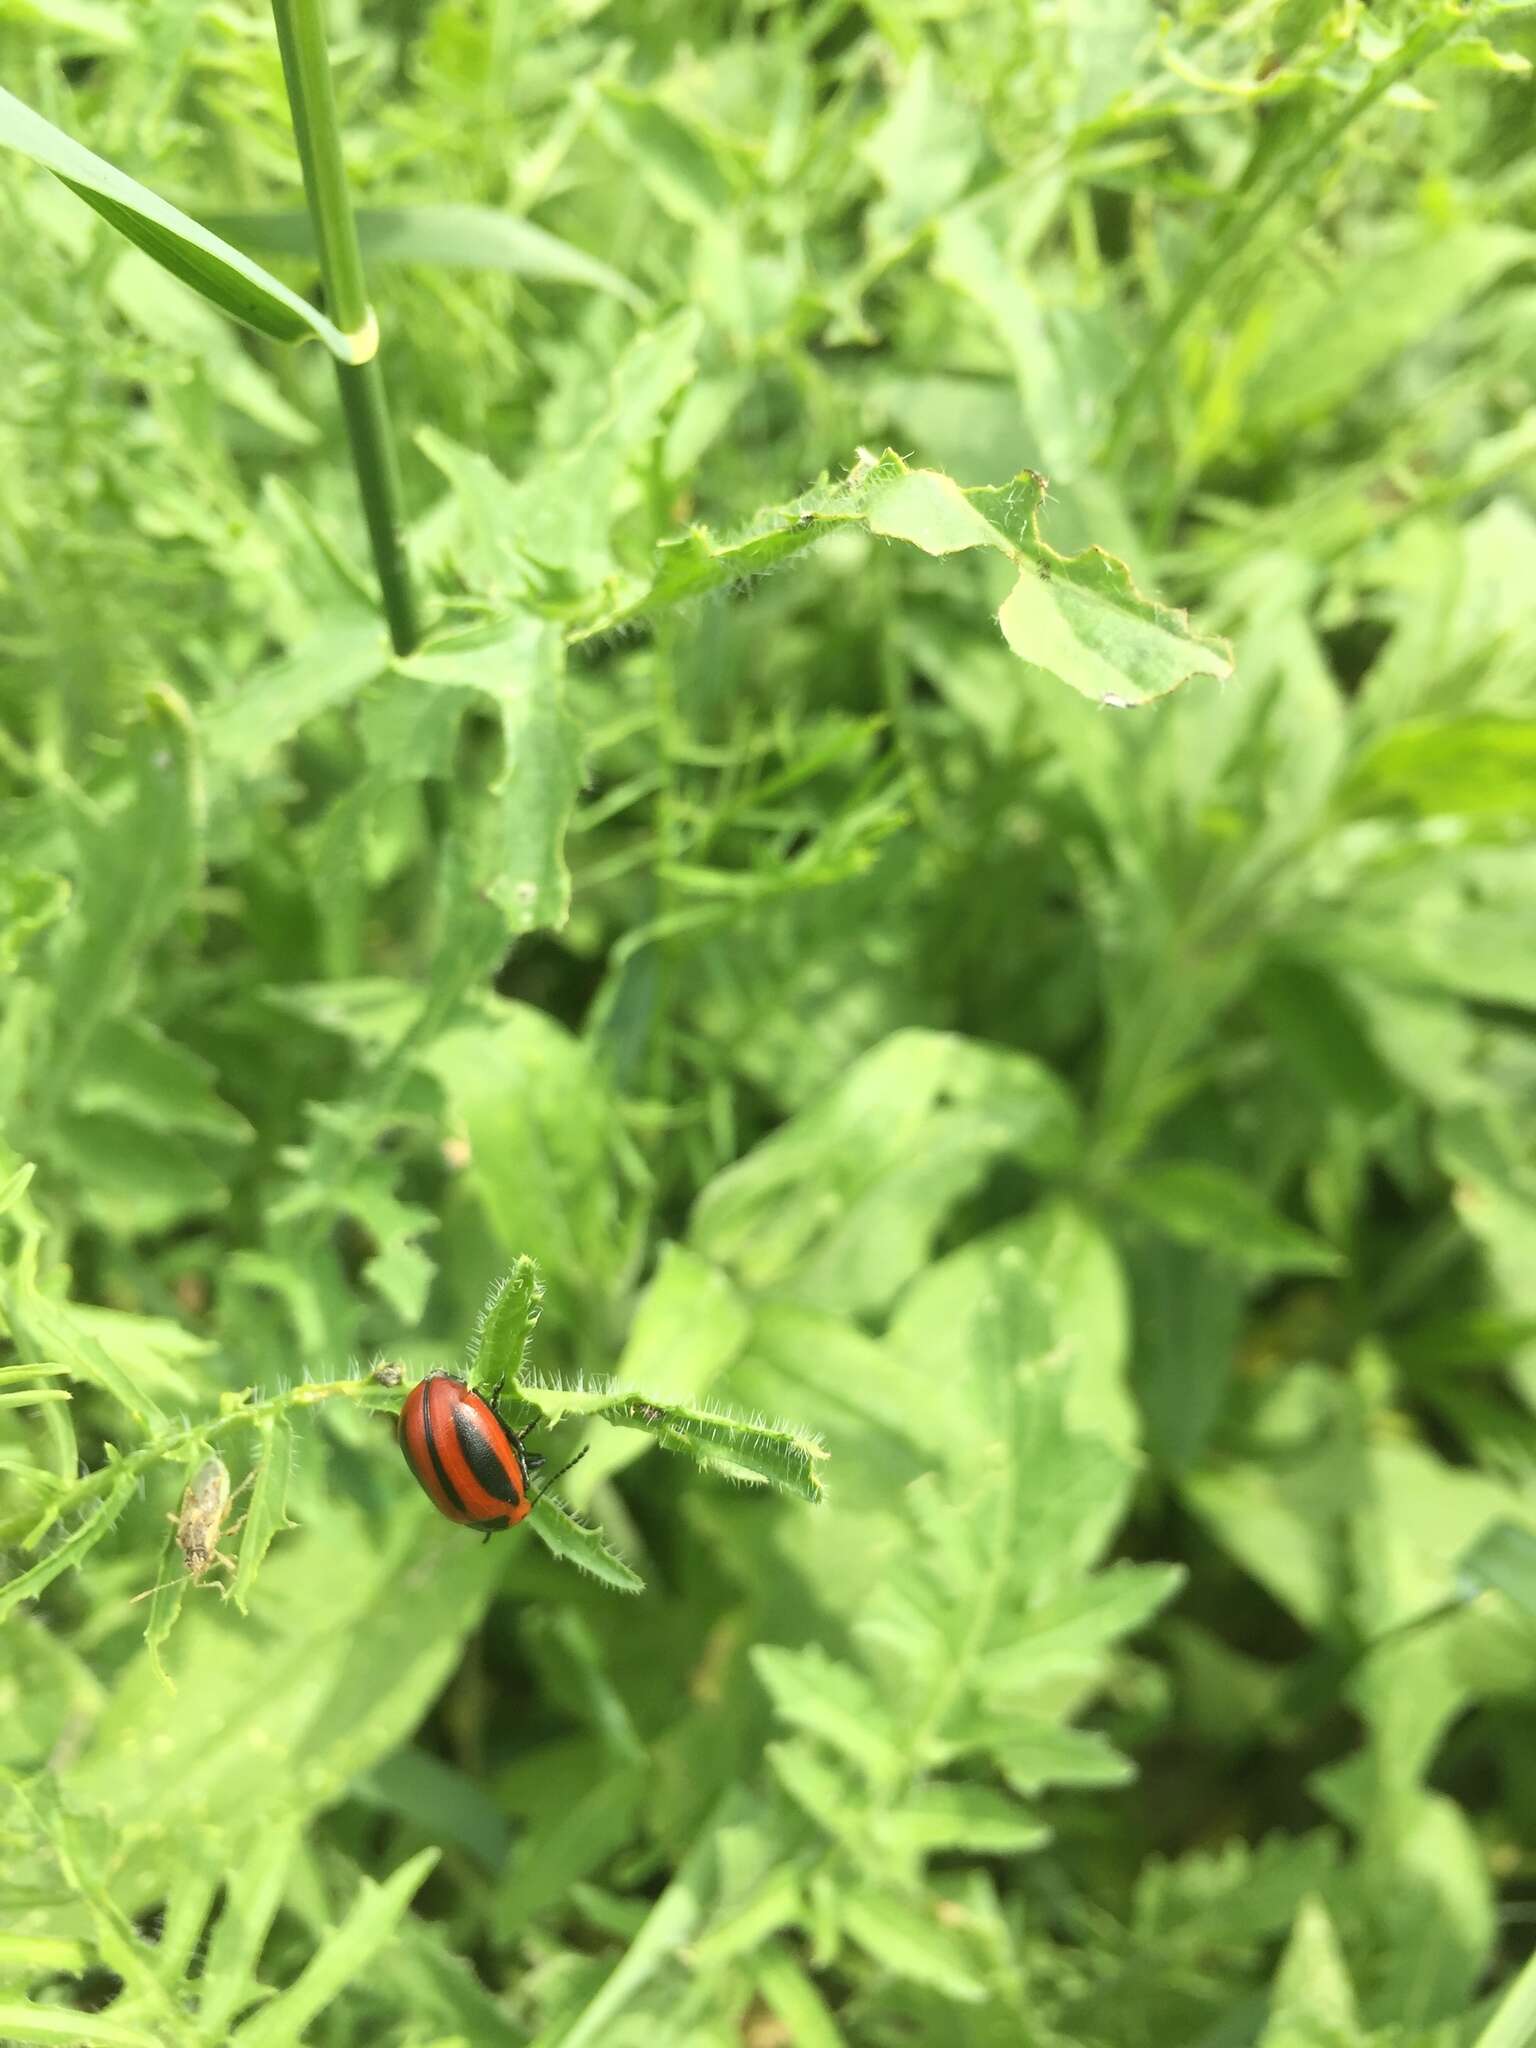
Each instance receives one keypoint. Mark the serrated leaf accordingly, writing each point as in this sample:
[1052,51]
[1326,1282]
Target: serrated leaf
[833,1701]
[253,1894]
[1312,2002]
[1032,1754]
[565,1536]
[498,1354]
[783,1456]
[51,1329]
[1071,1630]
[267,1513]
[1079,616]
[134,1070]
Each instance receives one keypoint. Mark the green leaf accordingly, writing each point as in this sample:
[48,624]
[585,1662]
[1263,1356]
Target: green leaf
[938,1819]
[1312,2003]
[1063,401]
[253,1895]
[924,149]
[72,1551]
[680,172]
[341,1958]
[567,1537]
[1206,1206]
[268,1510]
[1503,1560]
[30,901]
[69,2028]
[533,1108]
[912,1943]
[210,266]
[1078,616]
[517,665]
[834,1702]
[1070,1631]
[1327,335]
[553,525]
[52,1329]
[445,237]
[1513,2024]
[498,1355]
[1483,767]
[839,1207]
[780,1455]
[133,1070]
[138,863]
[325,671]
[688,1327]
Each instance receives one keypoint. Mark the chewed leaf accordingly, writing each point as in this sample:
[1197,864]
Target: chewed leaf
[698,562]
[1080,617]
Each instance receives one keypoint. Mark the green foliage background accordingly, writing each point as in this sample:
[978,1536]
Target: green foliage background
[1105,1125]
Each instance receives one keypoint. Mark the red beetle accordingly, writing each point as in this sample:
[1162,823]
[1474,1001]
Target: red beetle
[472,1468]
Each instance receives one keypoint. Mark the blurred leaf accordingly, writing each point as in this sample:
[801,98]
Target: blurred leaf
[517,666]
[456,237]
[840,1205]
[347,1950]
[235,285]
[327,670]
[267,1513]
[1206,1206]
[1326,339]
[138,862]
[1463,767]
[1078,616]
[781,1455]
[1312,2004]
[1503,1560]
[913,1943]
[499,1354]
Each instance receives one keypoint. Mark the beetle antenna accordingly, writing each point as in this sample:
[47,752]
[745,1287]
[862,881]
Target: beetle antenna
[557,1475]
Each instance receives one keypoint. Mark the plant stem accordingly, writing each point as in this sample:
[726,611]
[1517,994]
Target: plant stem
[312,102]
